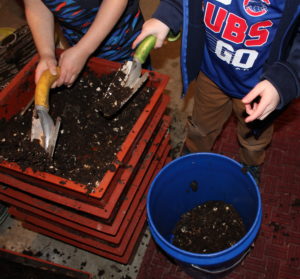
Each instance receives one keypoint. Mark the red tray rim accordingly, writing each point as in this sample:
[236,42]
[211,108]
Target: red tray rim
[119,226]
[104,184]
[66,201]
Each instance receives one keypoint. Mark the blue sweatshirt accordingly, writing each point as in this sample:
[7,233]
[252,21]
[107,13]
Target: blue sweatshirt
[237,42]
[280,63]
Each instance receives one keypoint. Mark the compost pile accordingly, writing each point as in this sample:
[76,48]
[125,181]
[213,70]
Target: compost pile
[88,142]
[208,228]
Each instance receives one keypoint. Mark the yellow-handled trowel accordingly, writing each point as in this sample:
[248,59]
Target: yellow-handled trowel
[43,128]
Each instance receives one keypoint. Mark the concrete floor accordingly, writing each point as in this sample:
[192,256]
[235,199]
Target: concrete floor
[16,238]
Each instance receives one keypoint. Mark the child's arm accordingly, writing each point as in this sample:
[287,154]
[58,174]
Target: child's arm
[73,59]
[41,23]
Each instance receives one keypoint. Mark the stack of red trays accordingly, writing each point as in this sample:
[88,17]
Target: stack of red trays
[109,221]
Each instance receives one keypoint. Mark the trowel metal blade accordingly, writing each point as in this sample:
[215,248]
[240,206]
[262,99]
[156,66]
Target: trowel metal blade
[134,73]
[37,131]
[124,70]
[44,130]
[136,85]
[53,137]
[127,77]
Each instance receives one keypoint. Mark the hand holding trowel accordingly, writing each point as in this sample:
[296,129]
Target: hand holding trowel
[129,77]
[127,80]
[43,128]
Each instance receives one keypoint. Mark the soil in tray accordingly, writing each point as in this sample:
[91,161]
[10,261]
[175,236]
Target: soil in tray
[13,270]
[210,227]
[88,142]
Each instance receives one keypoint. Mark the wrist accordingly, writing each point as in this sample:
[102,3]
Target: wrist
[47,55]
[85,48]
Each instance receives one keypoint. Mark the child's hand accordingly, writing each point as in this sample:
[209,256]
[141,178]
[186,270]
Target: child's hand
[153,27]
[269,99]
[71,62]
[44,64]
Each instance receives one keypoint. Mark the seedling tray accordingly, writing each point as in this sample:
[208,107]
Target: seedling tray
[113,232]
[115,190]
[124,259]
[16,96]
[121,253]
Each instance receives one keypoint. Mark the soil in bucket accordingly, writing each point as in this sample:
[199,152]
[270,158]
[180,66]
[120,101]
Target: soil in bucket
[88,142]
[208,228]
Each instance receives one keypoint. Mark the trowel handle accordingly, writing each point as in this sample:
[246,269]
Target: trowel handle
[144,48]
[148,44]
[41,96]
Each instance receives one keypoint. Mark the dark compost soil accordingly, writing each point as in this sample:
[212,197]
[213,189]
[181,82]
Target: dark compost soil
[88,142]
[111,102]
[210,227]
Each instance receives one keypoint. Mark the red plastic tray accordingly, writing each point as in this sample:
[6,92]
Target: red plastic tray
[112,233]
[124,259]
[20,91]
[117,188]
[122,253]
[149,126]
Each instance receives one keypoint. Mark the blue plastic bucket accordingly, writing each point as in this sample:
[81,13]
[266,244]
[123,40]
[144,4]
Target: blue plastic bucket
[218,178]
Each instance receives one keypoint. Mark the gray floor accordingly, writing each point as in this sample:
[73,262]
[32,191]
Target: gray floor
[16,238]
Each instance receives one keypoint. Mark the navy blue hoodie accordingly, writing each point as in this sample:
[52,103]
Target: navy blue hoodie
[283,63]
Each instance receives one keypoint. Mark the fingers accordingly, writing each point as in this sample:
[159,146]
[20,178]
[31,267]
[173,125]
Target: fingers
[255,111]
[159,42]
[250,108]
[66,78]
[73,78]
[52,68]
[45,64]
[37,76]
[263,116]
[153,27]
[68,73]
[259,110]
[269,99]
[254,93]
[53,71]
[71,62]
[138,39]
[54,84]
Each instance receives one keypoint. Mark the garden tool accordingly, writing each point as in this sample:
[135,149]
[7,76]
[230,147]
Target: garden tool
[130,74]
[5,32]
[43,128]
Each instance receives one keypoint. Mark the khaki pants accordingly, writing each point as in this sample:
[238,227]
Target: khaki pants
[212,108]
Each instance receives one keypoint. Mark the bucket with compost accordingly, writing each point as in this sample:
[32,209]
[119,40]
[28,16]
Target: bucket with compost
[205,212]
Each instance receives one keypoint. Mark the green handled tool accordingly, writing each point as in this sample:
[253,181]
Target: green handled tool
[130,76]
[127,80]
[134,79]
